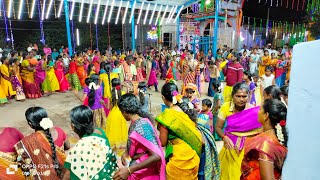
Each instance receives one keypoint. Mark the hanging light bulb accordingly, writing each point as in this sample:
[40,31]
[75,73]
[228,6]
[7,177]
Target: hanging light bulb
[43,9]
[158,16]
[81,10]
[49,9]
[175,10]
[276,35]
[135,32]
[78,38]
[141,9]
[154,10]
[9,8]
[283,36]
[110,12]
[164,14]
[178,14]
[253,34]
[168,18]
[72,9]
[118,14]
[132,11]
[105,13]
[97,12]
[32,8]
[146,15]
[20,9]
[60,8]
[89,12]
[125,12]
[208,2]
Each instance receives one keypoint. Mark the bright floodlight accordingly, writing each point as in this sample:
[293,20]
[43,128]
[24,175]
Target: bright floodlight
[97,12]
[43,9]
[159,12]
[141,9]
[72,9]
[78,38]
[168,18]
[89,12]
[175,9]
[132,11]
[20,9]
[178,14]
[110,13]
[154,10]
[118,14]
[125,13]
[105,13]
[60,8]
[81,10]
[135,32]
[32,8]
[146,15]
[253,34]
[9,8]
[164,14]
[49,9]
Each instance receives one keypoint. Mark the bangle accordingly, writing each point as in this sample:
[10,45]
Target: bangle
[129,170]
[223,137]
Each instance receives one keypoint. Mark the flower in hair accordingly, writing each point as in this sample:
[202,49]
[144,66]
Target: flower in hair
[175,93]
[191,106]
[282,123]
[279,133]
[93,85]
[118,87]
[46,123]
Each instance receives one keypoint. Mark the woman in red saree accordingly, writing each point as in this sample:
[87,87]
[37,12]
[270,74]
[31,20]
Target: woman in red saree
[266,152]
[96,61]
[41,154]
[59,71]
[144,146]
[30,87]
[8,155]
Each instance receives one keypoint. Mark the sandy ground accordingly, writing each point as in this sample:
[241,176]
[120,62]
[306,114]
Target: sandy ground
[58,107]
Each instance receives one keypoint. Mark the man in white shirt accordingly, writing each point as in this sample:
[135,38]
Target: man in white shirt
[30,48]
[65,60]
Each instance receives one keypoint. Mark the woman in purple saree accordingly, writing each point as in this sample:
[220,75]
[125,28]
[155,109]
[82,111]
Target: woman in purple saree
[143,148]
[242,122]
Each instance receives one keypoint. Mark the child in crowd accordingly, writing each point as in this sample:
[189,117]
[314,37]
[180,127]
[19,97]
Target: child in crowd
[191,92]
[91,70]
[248,80]
[268,78]
[205,117]
[73,77]
[93,91]
[259,88]
[281,71]
[214,76]
[217,103]
[116,127]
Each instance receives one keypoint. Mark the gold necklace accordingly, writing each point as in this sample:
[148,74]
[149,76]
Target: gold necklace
[268,131]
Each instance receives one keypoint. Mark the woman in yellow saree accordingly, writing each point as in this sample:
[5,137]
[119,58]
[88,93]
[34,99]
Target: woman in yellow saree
[241,119]
[5,78]
[180,136]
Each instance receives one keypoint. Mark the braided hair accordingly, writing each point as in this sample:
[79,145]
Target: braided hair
[91,96]
[34,115]
[116,93]
[277,114]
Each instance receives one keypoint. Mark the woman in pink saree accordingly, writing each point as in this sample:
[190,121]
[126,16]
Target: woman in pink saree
[144,146]
[242,123]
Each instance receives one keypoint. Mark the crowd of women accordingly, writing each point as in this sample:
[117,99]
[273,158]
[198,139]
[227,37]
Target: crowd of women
[177,144]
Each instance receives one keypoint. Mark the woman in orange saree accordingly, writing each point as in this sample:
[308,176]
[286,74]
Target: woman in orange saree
[8,155]
[266,152]
[81,72]
[41,153]
[31,89]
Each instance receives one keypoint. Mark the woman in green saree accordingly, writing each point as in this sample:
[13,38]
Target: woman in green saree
[180,135]
[91,157]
